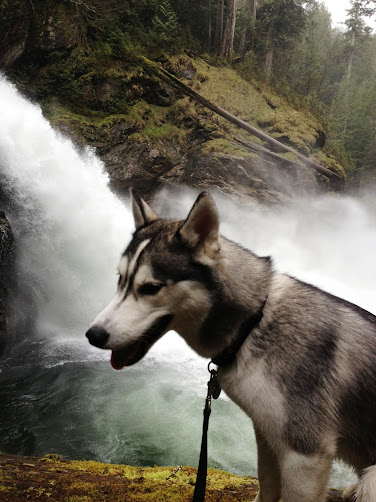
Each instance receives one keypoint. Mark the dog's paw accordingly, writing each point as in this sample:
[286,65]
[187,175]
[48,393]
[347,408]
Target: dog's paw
[349,495]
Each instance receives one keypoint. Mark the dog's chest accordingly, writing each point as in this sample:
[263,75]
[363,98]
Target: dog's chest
[257,393]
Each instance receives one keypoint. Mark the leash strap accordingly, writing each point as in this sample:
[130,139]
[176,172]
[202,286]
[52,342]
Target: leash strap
[200,486]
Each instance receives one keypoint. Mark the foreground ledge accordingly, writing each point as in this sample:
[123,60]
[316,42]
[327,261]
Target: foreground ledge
[54,479]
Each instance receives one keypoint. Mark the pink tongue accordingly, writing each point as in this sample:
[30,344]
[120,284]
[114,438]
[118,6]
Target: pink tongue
[128,356]
[119,359]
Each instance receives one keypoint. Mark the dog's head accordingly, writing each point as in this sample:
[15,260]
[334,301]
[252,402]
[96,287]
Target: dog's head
[165,276]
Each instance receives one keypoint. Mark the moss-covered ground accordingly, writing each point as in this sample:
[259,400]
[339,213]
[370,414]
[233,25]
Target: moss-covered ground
[51,478]
[54,479]
[258,106]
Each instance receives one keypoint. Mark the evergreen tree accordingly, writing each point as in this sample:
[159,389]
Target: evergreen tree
[165,22]
[279,25]
[354,108]
[308,62]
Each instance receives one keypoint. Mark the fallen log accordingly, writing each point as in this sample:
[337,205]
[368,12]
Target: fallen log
[169,78]
[265,152]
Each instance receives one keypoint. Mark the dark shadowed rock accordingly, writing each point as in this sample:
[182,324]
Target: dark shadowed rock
[15,26]
[148,166]
[6,242]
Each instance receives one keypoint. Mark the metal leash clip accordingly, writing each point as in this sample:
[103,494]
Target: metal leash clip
[214,388]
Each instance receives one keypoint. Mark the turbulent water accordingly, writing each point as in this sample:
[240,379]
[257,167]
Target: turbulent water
[57,393]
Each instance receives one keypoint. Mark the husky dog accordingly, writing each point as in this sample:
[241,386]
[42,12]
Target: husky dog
[305,372]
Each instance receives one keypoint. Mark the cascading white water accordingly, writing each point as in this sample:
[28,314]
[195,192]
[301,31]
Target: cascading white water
[70,230]
[73,228]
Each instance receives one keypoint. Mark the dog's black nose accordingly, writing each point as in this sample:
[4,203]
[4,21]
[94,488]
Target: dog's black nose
[97,336]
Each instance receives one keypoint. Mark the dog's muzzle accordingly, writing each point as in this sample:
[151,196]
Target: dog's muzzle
[97,336]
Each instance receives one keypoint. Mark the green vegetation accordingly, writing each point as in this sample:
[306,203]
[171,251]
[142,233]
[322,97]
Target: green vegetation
[225,146]
[51,478]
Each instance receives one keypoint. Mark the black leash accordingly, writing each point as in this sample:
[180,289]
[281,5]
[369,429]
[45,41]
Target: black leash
[214,390]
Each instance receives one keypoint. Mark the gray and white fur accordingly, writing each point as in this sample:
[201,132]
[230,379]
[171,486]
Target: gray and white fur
[306,375]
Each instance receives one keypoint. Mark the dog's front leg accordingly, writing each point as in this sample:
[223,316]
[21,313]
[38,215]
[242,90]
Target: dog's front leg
[268,471]
[305,477]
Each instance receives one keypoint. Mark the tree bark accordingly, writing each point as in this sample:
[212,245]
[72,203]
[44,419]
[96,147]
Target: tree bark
[242,43]
[208,27]
[269,58]
[228,38]
[348,76]
[218,35]
[271,40]
[253,4]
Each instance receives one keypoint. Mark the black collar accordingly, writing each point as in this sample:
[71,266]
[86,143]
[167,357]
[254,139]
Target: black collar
[229,353]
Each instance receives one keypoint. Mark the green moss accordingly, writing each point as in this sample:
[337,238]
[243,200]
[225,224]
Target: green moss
[4,476]
[163,132]
[51,457]
[90,481]
[225,88]
[331,163]
[78,498]
[9,488]
[227,147]
[141,122]
[336,152]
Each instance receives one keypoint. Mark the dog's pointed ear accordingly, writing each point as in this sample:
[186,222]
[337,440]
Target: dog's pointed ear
[201,228]
[142,213]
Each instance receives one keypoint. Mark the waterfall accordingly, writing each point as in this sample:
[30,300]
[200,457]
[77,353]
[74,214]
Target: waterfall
[59,394]
[71,228]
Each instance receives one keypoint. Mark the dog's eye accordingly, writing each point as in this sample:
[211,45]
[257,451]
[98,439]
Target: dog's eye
[149,288]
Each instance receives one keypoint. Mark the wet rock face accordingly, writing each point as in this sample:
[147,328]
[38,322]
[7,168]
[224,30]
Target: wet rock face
[53,32]
[6,239]
[36,28]
[6,242]
[15,25]
[148,167]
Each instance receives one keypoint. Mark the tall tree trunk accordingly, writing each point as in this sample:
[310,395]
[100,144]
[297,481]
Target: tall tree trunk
[208,26]
[218,35]
[348,78]
[247,39]
[228,38]
[242,43]
[352,50]
[271,40]
[253,4]
[269,57]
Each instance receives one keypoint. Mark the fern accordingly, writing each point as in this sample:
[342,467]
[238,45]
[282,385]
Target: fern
[165,22]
